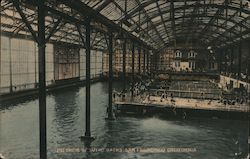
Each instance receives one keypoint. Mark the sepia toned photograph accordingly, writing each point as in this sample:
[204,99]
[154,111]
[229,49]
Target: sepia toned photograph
[125,79]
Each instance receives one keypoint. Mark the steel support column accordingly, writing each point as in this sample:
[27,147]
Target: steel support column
[227,60]
[248,67]
[239,60]
[110,47]
[147,61]
[220,56]
[240,48]
[42,82]
[133,69]
[10,66]
[223,61]
[231,58]
[155,62]
[139,60]
[144,61]
[124,63]
[87,136]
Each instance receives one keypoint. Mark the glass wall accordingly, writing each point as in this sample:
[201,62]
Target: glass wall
[19,64]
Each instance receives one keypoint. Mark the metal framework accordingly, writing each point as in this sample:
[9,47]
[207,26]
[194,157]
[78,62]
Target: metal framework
[151,23]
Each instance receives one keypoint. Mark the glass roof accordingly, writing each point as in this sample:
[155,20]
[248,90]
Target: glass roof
[157,23]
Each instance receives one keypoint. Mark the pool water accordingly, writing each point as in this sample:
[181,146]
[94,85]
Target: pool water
[19,131]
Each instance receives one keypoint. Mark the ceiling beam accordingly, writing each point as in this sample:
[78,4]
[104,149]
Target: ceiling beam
[103,5]
[232,28]
[189,16]
[152,24]
[191,21]
[212,19]
[209,5]
[156,14]
[172,17]
[83,9]
[24,19]
[136,10]
[138,25]
[162,19]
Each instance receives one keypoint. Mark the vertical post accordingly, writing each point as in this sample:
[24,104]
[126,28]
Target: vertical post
[147,61]
[231,59]
[110,47]
[36,67]
[133,69]
[248,67]
[95,62]
[223,66]
[239,59]
[42,80]
[139,60]
[79,62]
[0,48]
[10,66]
[144,61]
[124,64]
[87,137]
[155,61]
[240,49]
[219,52]
[87,42]
[227,61]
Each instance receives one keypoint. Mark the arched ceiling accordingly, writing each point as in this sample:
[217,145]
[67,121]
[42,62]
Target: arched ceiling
[158,23]
[163,22]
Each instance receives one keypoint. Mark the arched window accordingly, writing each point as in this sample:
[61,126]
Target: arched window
[178,53]
[191,54]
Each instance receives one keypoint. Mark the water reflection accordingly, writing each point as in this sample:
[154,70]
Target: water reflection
[11,104]
[66,111]
[224,139]
[66,118]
